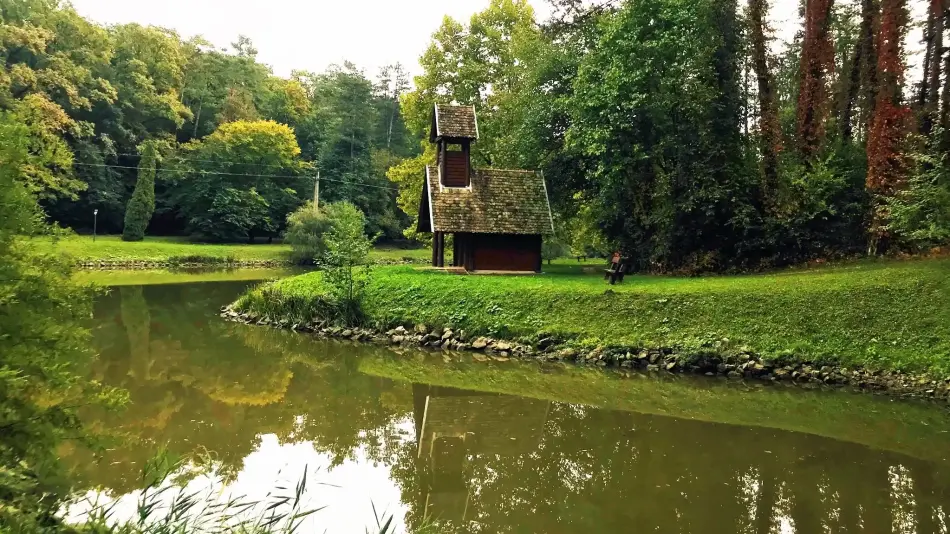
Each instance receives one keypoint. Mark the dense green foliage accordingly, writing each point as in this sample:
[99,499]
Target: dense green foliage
[45,351]
[306,234]
[674,130]
[90,95]
[240,181]
[142,204]
[889,315]
[666,129]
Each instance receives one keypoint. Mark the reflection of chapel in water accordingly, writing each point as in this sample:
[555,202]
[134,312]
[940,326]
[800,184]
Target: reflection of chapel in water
[453,424]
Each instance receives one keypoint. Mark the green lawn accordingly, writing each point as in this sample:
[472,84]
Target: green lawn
[882,314]
[160,249]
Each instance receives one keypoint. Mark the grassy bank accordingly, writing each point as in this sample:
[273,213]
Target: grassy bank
[170,249]
[885,315]
[151,277]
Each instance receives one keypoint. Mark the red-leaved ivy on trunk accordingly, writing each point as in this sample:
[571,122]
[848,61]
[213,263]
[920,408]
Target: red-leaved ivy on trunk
[817,65]
[887,165]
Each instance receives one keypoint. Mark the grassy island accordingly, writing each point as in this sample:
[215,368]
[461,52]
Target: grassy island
[888,315]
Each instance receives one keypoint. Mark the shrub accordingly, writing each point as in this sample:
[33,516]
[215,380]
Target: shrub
[141,206]
[306,230]
[346,271]
[234,215]
[920,215]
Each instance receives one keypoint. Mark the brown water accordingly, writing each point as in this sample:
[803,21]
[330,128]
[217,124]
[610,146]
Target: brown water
[447,441]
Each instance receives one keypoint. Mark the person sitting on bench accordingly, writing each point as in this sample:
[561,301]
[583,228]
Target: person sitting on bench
[617,269]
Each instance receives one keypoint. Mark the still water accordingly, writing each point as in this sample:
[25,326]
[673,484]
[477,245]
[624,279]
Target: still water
[495,446]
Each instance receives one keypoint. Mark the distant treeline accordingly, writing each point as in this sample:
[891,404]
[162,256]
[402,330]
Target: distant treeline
[91,95]
[669,129]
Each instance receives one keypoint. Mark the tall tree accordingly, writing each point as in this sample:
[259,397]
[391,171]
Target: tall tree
[240,182]
[817,64]
[142,204]
[391,83]
[45,355]
[769,131]
[928,99]
[474,64]
[862,77]
[887,164]
[657,110]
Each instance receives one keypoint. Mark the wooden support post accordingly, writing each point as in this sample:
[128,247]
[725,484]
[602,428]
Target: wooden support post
[441,249]
[435,249]
[442,151]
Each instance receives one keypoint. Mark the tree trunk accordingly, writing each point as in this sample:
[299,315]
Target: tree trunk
[868,43]
[194,134]
[852,90]
[886,163]
[932,104]
[945,108]
[392,119]
[817,64]
[769,132]
[745,97]
[922,92]
[352,149]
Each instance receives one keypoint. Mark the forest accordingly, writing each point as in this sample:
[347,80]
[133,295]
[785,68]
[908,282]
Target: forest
[679,131]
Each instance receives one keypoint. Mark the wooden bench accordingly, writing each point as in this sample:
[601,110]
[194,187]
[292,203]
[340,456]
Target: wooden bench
[616,271]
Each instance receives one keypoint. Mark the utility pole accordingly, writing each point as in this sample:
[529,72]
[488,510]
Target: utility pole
[316,194]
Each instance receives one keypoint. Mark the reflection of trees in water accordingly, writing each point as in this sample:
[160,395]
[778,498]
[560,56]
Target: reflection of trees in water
[136,320]
[603,471]
[205,387]
[477,462]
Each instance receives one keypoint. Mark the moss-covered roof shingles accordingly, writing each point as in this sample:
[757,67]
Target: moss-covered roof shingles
[498,202]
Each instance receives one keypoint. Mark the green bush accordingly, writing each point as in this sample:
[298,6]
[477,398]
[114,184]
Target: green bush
[346,269]
[234,215]
[920,215]
[306,232]
[141,206]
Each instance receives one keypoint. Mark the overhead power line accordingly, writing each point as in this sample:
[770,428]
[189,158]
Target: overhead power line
[246,175]
[195,160]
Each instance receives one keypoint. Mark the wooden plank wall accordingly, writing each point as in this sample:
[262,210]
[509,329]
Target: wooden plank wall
[456,169]
[504,252]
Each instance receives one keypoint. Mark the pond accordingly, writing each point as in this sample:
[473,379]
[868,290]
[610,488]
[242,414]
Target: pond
[466,446]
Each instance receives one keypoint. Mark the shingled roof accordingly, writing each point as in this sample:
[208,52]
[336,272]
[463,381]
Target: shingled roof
[497,202]
[456,122]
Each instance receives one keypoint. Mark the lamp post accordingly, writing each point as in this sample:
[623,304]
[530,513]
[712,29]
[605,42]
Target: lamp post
[95,220]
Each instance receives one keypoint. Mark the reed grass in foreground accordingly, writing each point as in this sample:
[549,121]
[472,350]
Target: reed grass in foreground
[886,315]
[165,507]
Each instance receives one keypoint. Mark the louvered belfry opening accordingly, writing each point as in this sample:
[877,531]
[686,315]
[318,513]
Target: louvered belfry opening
[454,129]
[455,162]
